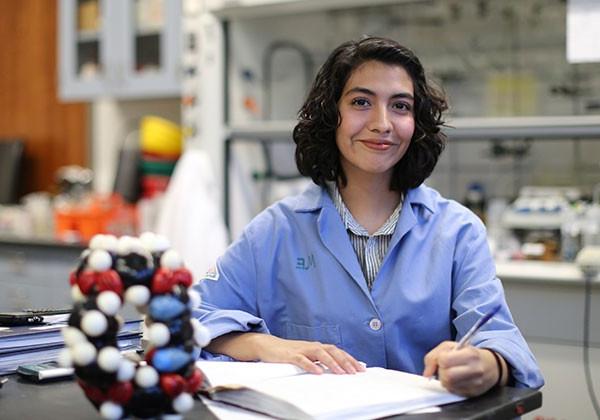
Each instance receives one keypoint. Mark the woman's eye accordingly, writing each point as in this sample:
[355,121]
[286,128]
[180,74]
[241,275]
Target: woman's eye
[402,106]
[360,102]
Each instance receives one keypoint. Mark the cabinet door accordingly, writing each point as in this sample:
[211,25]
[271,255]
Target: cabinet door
[151,46]
[84,70]
[119,48]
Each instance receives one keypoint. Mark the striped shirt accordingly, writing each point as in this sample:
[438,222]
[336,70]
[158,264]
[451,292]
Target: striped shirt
[370,249]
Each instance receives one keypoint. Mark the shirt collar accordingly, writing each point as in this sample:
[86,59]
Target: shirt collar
[350,222]
[314,198]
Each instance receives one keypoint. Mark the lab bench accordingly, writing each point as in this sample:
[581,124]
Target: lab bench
[547,300]
[34,273]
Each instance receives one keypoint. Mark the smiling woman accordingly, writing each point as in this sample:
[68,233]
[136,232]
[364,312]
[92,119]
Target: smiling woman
[376,122]
[320,116]
[397,274]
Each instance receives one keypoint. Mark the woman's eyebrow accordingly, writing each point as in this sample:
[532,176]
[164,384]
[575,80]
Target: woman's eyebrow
[359,89]
[403,95]
[366,91]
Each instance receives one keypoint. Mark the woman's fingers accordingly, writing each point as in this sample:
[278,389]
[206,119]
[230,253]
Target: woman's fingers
[332,358]
[432,359]
[325,356]
[467,371]
[344,362]
[306,364]
[312,356]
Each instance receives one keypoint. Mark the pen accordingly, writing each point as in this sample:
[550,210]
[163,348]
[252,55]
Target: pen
[465,340]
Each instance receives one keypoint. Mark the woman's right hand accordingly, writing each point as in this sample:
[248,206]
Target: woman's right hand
[311,356]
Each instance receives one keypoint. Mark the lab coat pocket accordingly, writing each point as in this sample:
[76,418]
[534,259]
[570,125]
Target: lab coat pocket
[327,334]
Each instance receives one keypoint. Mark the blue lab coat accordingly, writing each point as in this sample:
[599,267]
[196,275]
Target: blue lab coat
[293,273]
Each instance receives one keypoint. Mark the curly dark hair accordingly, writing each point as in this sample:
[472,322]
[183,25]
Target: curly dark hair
[317,155]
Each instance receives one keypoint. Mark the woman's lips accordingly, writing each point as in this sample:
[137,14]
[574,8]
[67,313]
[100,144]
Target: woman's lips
[377,144]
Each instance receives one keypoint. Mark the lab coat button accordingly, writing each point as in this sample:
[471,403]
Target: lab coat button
[375,324]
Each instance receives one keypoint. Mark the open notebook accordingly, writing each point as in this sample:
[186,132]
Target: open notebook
[285,391]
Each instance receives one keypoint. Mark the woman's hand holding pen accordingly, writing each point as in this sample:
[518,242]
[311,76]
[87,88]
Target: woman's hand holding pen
[468,371]
[311,356]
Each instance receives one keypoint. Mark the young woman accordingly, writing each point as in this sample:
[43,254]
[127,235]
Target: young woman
[367,265]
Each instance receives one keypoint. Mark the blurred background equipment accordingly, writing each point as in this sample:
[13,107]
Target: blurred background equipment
[80,213]
[161,143]
[552,223]
[127,179]
[74,182]
[11,159]
[475,200]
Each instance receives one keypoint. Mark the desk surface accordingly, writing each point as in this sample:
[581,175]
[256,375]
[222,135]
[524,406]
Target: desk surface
[20,399]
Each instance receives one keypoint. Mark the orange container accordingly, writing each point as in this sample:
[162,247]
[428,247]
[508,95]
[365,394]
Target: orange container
[100,214]
[65,226]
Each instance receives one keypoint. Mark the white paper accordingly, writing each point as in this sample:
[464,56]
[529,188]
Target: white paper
[377,392]
[229,412]
[583,31]
[244,373]
[47,327]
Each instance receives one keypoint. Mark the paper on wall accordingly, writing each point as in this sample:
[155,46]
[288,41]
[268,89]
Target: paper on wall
[583,31]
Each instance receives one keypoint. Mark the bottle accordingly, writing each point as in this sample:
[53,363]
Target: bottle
[475,199]
[569,235]
[590,229]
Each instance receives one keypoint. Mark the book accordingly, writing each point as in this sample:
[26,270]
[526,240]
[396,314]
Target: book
[285,391]
[42,343]
[23,337]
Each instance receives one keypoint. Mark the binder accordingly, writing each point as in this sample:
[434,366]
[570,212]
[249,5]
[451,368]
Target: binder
[42,343]
[284,391]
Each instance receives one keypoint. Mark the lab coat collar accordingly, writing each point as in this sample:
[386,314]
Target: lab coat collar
[422,195]
[314,198]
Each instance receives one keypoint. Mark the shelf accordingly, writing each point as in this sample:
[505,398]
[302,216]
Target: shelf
[228,9]
[533,220]
[148,30]
[38,242]
[88,36]
[540,271]
[259,130]
[551,128]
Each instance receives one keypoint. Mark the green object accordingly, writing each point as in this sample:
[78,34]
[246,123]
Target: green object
[44,371]
[157,167]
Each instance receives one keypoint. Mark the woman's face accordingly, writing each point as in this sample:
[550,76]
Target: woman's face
[377,120]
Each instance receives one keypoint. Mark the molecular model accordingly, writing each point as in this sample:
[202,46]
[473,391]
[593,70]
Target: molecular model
[149,275]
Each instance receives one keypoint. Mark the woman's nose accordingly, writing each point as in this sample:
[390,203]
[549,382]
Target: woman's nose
[380,122]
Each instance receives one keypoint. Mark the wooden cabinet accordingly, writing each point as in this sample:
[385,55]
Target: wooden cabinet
[119,48]
[54,133]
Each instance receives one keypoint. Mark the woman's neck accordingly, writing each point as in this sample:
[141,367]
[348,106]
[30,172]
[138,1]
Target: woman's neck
[370,201]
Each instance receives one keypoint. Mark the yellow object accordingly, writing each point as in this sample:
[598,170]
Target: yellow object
[160,136]
[88,15]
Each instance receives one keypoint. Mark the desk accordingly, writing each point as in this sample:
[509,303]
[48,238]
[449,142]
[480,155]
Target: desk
[20,399]
[55,400]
